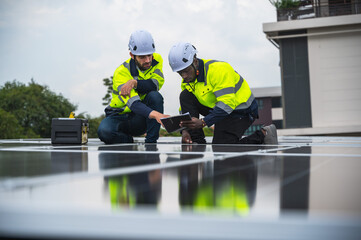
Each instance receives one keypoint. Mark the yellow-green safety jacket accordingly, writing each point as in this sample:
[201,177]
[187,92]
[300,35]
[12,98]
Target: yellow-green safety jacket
[128,70]
[220,87]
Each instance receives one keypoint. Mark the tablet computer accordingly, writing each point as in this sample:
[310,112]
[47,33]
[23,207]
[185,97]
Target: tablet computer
[171,124]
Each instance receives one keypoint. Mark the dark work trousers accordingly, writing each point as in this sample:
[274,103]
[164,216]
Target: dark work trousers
[227,131]
[120,128]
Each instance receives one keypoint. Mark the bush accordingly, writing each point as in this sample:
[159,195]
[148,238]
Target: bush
[10,127]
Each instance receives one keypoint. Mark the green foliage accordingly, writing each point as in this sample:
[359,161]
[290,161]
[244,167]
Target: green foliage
[10,127]
[33,107]
[208,132]
[285,4]
[164,133]
[93,126]
[108,82]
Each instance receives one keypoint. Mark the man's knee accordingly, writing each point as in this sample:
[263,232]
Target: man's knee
[185,96]
[103,132]
[188,98]
[155,96]
[154,100]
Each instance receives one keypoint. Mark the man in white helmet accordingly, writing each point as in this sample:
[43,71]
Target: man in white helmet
[136,106]
[215,90]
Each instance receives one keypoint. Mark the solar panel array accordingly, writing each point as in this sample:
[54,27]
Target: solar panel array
[304,187]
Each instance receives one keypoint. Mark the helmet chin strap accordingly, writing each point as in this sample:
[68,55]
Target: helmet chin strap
[196,70]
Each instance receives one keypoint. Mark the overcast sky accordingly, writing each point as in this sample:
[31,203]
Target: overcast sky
[70,46]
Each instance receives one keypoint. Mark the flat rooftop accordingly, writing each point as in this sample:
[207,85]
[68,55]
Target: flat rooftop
[302,188]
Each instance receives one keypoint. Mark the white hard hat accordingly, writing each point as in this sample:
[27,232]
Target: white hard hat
[181,56]
[141,43]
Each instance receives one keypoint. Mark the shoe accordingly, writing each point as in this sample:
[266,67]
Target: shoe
[271,134]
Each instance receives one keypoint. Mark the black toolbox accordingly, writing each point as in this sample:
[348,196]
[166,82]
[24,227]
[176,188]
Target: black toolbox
[69,131]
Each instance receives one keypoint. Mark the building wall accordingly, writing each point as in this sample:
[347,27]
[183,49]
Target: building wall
[335,76]
[264,111]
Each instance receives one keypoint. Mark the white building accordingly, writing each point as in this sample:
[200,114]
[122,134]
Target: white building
[320,64]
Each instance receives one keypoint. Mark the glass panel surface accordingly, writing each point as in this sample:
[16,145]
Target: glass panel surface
[311,178]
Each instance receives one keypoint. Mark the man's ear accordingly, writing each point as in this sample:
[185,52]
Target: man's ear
[131,55]
[195,61]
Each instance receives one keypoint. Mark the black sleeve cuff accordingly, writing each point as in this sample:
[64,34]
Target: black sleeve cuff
[146,86]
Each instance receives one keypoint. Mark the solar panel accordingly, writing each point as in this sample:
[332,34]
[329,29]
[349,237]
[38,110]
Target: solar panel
[305,187]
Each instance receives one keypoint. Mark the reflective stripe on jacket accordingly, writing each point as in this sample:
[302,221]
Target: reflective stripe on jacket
[127,71]
[218,84]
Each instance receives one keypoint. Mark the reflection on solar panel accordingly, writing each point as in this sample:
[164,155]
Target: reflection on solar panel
[303,188]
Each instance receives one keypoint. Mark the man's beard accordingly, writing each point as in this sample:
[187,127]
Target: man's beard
[141,67]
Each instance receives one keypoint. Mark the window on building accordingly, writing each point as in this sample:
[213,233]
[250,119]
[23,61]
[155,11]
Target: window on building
[276,102]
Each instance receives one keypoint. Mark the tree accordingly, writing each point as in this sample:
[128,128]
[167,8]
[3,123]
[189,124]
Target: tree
[33,108]
[284,4]
[108,82]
